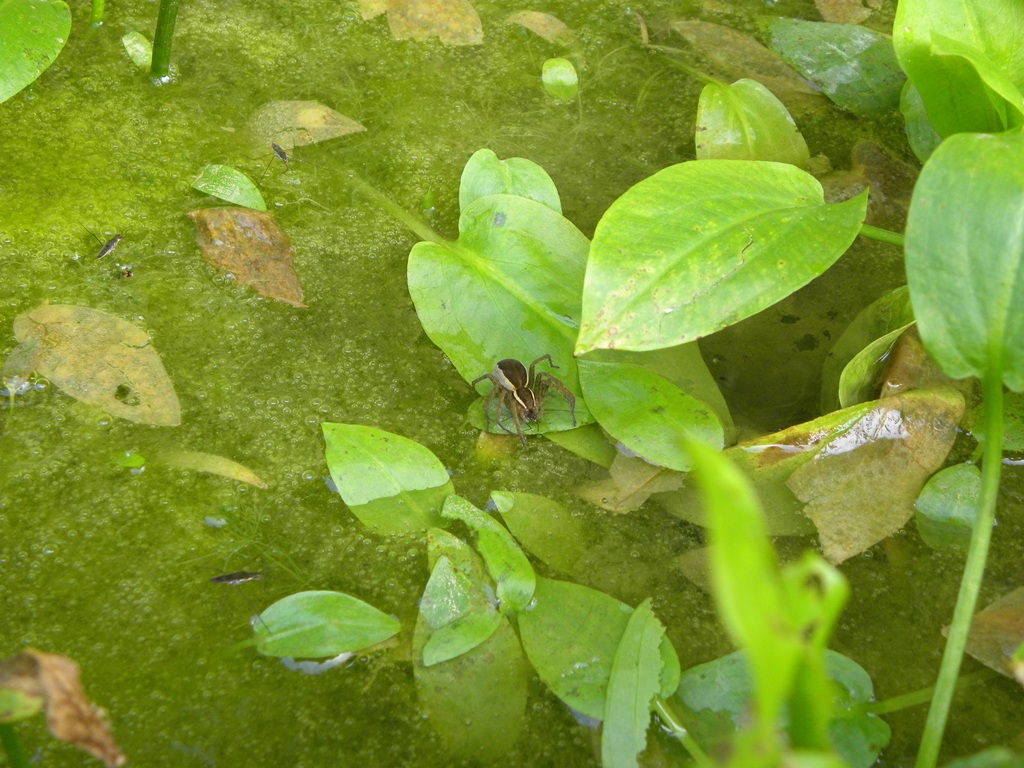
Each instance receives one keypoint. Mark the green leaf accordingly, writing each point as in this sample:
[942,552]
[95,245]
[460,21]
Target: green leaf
[964,240]
[993,757]
[485,174]
[920,134]
[560,79]
[964,59]
[230,185]
[509,288]
[632,686]
[647,413]
[505,561]
[704,244]
[745,121]
[460,636]
[546,529]
[856,67]
[457,611]
[858,382]
[32,34]
[587,442]
[571,634]
[313,625]
[391,483]
[139,49]
[948,506]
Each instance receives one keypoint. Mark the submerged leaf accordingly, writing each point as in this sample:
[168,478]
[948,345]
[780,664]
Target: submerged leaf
[948,506]
[209,462]
[230,185]
[101,360]
[292,124]
[138,48]
[560,79]
[843,11]
[250,247]
[453,22]
[632,481]
[997,631]
[549,27]
[861,487]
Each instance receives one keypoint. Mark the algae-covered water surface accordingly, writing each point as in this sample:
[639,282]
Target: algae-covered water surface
[109,538]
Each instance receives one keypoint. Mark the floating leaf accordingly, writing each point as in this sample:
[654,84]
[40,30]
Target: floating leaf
[36,677]
[321,624]
[571,634]
[34,33]
[855,66]
[458,612]
[549,27]
[704,244]
[291,124]
[101,360]
[546,529]
[588,442]
[632,685]
[843,11]
[948,506]
[997,631]
[861,487]
[453,22]
[485,174]
[209,462]
[392,484]
[251,248]
[745,121]
[138,48]
[230,185]
[560,79]
[505,561]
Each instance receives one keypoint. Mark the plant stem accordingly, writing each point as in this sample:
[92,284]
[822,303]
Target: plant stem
[924,695]
[882,235]
[96,17]
[974,570]
[161,68]
[399,213]
[12,746]
[668,717]
[692,71]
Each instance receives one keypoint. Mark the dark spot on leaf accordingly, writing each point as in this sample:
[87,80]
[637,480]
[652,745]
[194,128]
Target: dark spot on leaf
[806,343]
[499,220]
[126,395]
[790,319]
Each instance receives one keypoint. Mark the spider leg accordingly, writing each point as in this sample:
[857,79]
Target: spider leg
[502,400]
[533,365]
[547,380]
[487,405]
[519,427]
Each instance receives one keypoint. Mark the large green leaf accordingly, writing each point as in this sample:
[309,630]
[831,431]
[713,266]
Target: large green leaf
[313,625]
[508,288]
[704,244]
[855,66]
[966,60]
[392,484]
[647,413]
[964,239]
[745,121]
[571,634]
[32,33]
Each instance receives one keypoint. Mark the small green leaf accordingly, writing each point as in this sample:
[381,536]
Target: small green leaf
[18,705]
[858,382]
[314,625]
[632,686]
[485,174]
[461,636]
[198,461]
[458,612]
[993,757]
[230,185]
[505,561]
[393,484]
[32,34]
[948,506]
[704,244]
[139,49]
[856,67]
[560,79]
[745,121]
[647,413]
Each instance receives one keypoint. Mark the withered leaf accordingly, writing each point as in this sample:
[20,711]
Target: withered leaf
[101,360]
[209,462]
[454,22]
[632,481]
[292,124]
[860,488]
[70,716]
[997,631]
[549,27]
[370,9]
[252,248]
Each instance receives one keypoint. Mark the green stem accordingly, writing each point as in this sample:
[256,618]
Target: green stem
[882,235]
[923,696]
[974,570]
[692,71]
[12,746]
[672,722]
[161,68]
[96,17]
[417,227]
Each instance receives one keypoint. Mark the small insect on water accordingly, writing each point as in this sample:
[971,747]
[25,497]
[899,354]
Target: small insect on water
[522,392]
[241,577]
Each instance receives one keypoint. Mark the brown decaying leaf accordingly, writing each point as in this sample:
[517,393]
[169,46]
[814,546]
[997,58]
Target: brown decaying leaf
[292,124]
[249,246]
[861,487]
[454,22]
[70,716]
[632,481]
[101,360]
[997,631]
[549,27]
[909,366]
[842,11]
[891,181]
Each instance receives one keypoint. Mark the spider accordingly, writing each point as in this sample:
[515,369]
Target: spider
[522,393]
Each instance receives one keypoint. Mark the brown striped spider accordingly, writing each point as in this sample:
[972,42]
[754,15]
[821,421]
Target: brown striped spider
[522,392]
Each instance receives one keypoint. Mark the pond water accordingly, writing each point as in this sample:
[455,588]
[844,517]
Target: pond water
[113,568]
